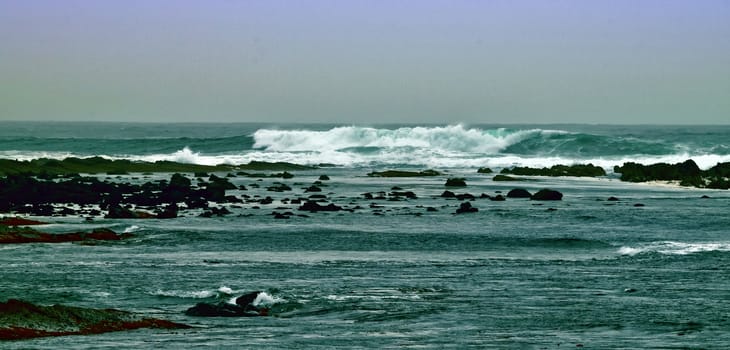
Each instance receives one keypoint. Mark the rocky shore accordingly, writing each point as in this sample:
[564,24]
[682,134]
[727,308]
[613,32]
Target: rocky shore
[51,188]
[23,320]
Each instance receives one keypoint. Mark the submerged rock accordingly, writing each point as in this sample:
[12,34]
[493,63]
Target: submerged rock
[244,307]
[22,320]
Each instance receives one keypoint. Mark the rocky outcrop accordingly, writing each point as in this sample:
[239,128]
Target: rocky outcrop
[16,221]
[244,307]
[27,235]
[500,177]
[547,195]
[455,182]
[401,173]
[313,206]
[687,173]
[466,208]
[22,320]
[519,193]
[585,170]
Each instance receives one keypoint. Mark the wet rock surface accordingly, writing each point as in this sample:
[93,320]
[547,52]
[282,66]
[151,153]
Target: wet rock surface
[22,320]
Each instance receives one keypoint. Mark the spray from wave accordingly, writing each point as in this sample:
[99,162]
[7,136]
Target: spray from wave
[676,248]
[451,146]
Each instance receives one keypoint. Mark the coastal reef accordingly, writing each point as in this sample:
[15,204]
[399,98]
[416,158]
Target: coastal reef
[14,235]
[245,306]
[22,320]
[686,173]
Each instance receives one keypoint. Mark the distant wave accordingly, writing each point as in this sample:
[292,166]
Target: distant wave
[452,138]
[451,146]
[676,248]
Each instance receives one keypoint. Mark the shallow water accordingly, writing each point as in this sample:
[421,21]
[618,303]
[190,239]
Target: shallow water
[513,275]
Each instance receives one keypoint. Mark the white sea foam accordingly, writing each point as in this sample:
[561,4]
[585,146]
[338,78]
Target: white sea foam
[676,248]
[265,299]
[130,229]
[198,294]
[453,146]
[201,294]
[452,138]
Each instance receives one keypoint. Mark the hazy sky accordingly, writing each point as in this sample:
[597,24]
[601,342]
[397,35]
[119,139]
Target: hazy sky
[491,61]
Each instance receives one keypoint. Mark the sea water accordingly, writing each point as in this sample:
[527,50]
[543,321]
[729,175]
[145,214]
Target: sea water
[516,274]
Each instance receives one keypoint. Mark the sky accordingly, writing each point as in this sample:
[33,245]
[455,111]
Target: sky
[376,61]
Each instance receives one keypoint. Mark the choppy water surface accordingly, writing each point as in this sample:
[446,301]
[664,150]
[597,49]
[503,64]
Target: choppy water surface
[515,274]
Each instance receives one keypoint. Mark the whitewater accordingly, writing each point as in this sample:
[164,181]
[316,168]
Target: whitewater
[447,146]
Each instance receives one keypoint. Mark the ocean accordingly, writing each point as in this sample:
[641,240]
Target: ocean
[647,271]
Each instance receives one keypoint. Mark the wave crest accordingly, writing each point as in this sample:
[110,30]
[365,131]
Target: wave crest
[676,248]
[452,138]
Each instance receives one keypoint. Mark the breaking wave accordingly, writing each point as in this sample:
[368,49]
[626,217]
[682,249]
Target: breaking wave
[676,248]
[451,146]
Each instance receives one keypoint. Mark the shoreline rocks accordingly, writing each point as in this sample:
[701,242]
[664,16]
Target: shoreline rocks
[23,320]
[17,235]
[581,170]
[687,173]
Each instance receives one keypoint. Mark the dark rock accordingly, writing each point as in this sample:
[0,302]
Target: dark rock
[497,198]
[547,195]
[466,208]
[243,307]
[431,209]
[500,177]
[704,196]
[315,207]
[519,193]
[612,199]
[247,299]
[323,178]
[465,196]
[484,171]
[27,235]
[312,189]
[367,195]
[687,172]
[118,212]
[638,205]
[407,194]
[170,212]
[588,170]
[23,320]
[223,309]
[448,194]
[17,221]
[399,173]
[278,187]
[455,182]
